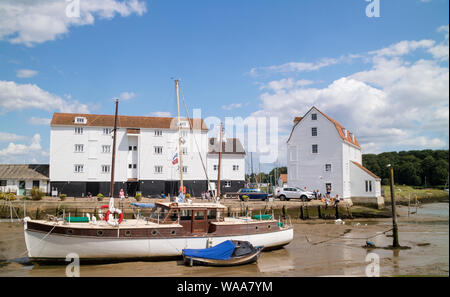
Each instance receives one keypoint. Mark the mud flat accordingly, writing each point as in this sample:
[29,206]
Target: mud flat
[320,248]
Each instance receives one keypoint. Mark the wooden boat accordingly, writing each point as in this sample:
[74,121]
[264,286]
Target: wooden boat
[228,253]
[170,228]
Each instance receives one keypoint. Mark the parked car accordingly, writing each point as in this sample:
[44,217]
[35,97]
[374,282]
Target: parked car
[287,193]
[252,194]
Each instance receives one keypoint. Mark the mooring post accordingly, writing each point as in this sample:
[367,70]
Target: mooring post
[301,212]
[319,211]
[337,211]
[395,243]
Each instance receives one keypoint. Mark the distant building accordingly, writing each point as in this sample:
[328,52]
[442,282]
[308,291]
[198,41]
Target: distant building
[147,158]
[283,180]
[323,155]
[20,178]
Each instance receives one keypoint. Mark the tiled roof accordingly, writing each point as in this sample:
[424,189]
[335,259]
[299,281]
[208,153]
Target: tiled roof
[340,129]
[230,146]
[95,120]
[25,172]
[366,170]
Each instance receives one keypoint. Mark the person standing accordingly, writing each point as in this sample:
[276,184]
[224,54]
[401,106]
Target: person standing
[121,194]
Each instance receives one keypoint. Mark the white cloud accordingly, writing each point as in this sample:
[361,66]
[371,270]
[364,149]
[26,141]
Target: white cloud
[39,121]
[232,106]
[127,96]
[296,66]
[33,22]
[5,137]
[22,153]
[286,83]
[26,73]
[403,48]
[15,96]
[160,114]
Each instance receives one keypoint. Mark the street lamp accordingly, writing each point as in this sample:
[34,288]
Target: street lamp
[395,243]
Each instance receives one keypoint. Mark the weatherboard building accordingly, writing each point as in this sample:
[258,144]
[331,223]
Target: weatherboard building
[146,156]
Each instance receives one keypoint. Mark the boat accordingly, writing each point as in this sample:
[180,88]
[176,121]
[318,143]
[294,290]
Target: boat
[170,228]
[227,253]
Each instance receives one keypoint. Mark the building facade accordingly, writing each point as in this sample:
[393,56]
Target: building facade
[21,178]
[323,155]
[146,158]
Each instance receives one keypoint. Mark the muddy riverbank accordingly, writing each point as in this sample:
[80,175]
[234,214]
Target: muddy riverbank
[320,248]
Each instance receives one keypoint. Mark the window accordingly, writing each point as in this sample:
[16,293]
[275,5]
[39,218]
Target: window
[130,166]
[215,167]
[78,130]
[185,215]
[158,132]
[327,167]
[328,187]
[314,116]
[158,150]
[134,166]
[2,183]
[106,131]
[184,150]
[227,184]
[184,133]
[79,168]
[80,120]
[135,148]
[158,169]
[315,149]
[106,148]
[368,186]
[314,131]
[235,167]
[79,148]
[199,215]
[130,148]
[106,168]
[185,169]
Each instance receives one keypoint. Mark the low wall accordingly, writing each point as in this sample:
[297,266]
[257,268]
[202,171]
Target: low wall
[375,202]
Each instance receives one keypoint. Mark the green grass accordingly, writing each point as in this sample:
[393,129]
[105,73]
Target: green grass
[404,193]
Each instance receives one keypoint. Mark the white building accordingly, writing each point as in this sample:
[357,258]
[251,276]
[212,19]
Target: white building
[323,154]
[21,178]
[81,153]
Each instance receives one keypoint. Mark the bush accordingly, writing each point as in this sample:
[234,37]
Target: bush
[36,194]
[188,195]
[10,196]
[2,195]
[100,196]
[138,197]
[62,197]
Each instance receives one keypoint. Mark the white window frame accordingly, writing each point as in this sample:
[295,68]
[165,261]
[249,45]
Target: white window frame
[185,169]
[316,130]
[314,117]
[106,168]
[215,167]
[159,169]
[80,120]
[158,150]
[326,167]
[79,148]
[317,149]
[227,184]
[107,131]
[106,148]
[235,167]
[184,150]
[158,133]
[78,168]
[79,130]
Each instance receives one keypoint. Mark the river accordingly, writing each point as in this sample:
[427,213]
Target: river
[320,248]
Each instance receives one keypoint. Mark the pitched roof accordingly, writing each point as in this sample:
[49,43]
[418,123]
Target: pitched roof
[366,170]
[230,146]
[24,171]
[340,129]
[95,120]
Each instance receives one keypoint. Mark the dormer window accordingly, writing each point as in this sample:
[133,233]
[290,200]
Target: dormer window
[184,124]
[314,116]
[80,120]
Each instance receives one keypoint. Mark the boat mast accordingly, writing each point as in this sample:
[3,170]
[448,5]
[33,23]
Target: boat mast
[111,186]
[180,153]
[220,161]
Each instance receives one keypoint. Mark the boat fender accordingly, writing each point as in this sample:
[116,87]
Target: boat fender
[110,218]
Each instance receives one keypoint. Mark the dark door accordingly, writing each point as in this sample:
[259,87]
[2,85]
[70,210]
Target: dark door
[171,187]
[199,222]
[132,187]
[21,187]
[92,188]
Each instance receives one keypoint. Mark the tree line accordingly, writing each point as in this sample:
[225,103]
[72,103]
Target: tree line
[413,168]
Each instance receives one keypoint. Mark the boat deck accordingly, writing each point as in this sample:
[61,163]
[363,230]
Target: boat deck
[102,224]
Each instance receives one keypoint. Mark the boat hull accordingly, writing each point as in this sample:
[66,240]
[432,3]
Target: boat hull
[231,262]
[47,246]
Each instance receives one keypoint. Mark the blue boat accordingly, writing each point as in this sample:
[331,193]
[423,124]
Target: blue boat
[227,253]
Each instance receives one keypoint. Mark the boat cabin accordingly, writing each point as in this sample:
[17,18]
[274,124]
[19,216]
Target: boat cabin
[195,218]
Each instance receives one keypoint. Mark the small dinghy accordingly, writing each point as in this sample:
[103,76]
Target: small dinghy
[228,253]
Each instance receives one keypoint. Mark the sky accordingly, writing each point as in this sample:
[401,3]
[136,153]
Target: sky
[379,68]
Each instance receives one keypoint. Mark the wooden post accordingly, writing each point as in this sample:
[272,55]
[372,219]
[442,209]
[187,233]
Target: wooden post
[319,211]
[337,211]
[409,204]
[395,243]
[301,213]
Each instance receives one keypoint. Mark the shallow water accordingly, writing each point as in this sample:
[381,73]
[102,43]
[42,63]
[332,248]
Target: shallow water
[318,249]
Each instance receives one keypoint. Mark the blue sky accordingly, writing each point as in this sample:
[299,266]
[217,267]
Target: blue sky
[385,78]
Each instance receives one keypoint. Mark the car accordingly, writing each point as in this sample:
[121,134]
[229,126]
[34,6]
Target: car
[252,194]
[287,193]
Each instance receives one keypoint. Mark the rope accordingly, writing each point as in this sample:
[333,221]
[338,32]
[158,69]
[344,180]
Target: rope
[39,241]
[339,237]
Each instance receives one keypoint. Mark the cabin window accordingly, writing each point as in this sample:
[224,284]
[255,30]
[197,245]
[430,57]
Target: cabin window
[173,215]
[186,215]
[99,233]
[212,214]
[154,232]
[128,233]
[199,215]
[69,232]
[173,232]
